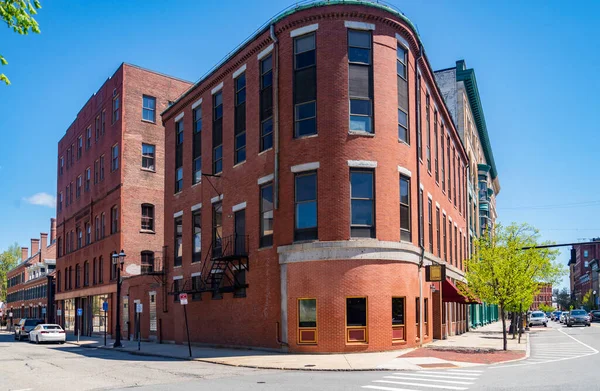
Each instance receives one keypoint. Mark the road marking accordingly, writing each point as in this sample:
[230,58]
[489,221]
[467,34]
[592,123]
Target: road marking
[422,385]
[465,370]
[427,374]
[416,377]
[387,388]
[578,341]
[451,374]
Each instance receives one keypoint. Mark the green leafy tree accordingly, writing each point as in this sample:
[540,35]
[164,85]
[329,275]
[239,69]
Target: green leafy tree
[502,272]
[18,15]
[546,308]
[588,300]
[8,260]
[563,298]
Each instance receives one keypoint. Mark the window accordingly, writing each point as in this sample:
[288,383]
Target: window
[360,81]
[147,264]
[178,241]
[421,219]
[449,168]
[428,130]
[240,119]
[176,290]
[437,228]
[79,238]
[79,147]
[103,222]
[68,157]
[217,232]
[585,253]
[356,319]
[113,268]
[266,103]
[148,153]
[454,175]
[178,179]
[197,236]
[149,108]
[86,273]
[197,177]
[97,228]
[362,204]
[436,151]
[450,247]
[456,244]
[405,223]
[306,207]
[59,246]
[115,110]
[70,277]
[307,321]
[148,217]
[58,281]
[101,168]
[77,276]
[426,316]
[78,189]
[114,165]
[96,171]
[100,270]
[88,138]
[61,165]
[114,219]
[398,319]
[179,155]
[60,201]
[443,153]
[419,133]
[401,71]
[266,215]
[97,127]
[305,86]
[94,272]
[418,315]
[196,287]
[218,132]
[444,237]
[103,121]
[88,178]
[88,233]
[430,222]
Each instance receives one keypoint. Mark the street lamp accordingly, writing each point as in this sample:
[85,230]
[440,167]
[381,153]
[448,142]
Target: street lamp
[594,303]
[119,260]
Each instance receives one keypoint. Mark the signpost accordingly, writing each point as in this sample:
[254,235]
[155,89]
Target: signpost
[105,309]
[183,299]
[139,307]
[10,315]
[79,313]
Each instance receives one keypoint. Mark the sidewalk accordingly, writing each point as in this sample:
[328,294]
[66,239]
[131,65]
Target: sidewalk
[457,351]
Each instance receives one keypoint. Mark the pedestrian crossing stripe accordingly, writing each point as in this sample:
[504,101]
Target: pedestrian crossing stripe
[451,380]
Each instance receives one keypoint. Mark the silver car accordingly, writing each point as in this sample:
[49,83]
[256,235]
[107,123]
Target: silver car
[538,318]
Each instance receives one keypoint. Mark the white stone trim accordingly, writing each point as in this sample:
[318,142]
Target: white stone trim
[197,103]
[218,88]
[449,219]
[196,207]
[196,274]
[437,204]
[362,163]
[421,186]
[305,167]
[304,30]
[444,212]
[359,25]
[216,199]
[238,207]
[265,179]
[179,116]
[455,225]
[429,196]
[177,214]
[404,171]
[265,52]
[402,41]
[177,278]
[240,70]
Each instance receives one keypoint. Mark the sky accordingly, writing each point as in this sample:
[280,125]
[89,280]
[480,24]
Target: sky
[536,65]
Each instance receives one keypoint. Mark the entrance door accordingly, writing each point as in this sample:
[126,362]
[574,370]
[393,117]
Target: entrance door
[152,313]
[240,231]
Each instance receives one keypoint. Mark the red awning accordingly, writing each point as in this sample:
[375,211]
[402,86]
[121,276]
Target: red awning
[452,294]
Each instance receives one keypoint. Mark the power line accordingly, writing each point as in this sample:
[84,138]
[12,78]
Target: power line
[554,206]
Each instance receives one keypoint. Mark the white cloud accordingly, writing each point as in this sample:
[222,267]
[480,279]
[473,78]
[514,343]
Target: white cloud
[42,199]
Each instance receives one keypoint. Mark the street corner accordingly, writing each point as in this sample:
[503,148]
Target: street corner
[469,355]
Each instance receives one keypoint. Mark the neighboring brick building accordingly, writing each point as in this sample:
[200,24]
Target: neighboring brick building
[580,267]
[298,159]
[543,297]
[110,192]
[30,286]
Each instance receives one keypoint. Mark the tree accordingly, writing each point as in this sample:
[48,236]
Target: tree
[546,308]
[8,260]
[588,300]
[18,15]
[501,272]
[563,299]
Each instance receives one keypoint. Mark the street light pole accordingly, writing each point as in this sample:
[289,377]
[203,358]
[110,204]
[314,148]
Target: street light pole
[118,259]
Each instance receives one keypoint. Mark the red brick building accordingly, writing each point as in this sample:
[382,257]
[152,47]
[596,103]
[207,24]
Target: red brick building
[580,264]
[308,176]
[30,289]
[543,297]
[110,193]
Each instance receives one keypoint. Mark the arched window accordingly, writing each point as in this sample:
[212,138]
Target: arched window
[147,262]
[148,217]
[86,273]
[114,219]
[100,270]
[77,276]
[94,272]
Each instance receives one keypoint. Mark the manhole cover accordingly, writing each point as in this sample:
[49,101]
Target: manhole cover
[439,365]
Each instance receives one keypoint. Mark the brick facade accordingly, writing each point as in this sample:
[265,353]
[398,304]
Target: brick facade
[543,297]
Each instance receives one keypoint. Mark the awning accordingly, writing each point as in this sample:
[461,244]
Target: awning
[457,294]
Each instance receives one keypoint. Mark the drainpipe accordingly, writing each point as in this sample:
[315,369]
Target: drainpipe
[275,114]
[420,209]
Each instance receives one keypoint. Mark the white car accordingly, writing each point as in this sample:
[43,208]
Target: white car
[47,333]
[538,318]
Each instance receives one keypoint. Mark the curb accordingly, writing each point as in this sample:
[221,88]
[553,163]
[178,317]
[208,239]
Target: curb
[527,354]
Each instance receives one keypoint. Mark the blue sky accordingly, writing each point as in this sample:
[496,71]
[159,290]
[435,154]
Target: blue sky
[536,64]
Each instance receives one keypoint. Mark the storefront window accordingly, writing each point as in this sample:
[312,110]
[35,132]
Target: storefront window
[98,320]
[69,313]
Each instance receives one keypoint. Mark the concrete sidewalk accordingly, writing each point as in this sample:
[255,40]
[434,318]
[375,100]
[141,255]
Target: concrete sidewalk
[481,339]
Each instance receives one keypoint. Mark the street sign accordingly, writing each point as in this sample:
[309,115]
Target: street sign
[183,298]
[10,315]
[58,312]
[434,273]
[43,310]
[138,308]
[79,311]
[105,306]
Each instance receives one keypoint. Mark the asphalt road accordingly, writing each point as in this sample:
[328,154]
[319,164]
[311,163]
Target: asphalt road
[561,359]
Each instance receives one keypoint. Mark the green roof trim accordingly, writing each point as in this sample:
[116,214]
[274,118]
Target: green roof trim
[468,77]
[296,7]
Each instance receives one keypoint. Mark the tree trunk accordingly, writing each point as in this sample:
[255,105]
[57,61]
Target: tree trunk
[514,325]
[504,341]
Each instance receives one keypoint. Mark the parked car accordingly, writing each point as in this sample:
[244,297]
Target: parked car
[555,316]
[595,316]
[538,318]
[563,316]
[24,326]
[576,317]
[47,333]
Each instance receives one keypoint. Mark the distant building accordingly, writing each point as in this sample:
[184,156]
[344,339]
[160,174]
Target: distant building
[584,258]
[543,297]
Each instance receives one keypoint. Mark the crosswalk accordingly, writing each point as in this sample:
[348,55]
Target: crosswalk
[556,346]
[452,379]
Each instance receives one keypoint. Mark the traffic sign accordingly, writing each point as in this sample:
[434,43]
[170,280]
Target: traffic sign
[44,310]
[58,312]
[139,308]
[105,306]
[10,315]
[183,298]
[79,311]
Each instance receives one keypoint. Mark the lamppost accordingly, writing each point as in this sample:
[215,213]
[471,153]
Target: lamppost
[594,303]
[119,260]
